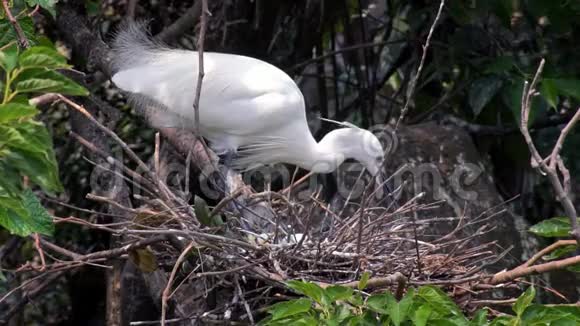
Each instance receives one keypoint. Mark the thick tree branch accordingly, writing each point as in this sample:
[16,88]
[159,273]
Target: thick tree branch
[513,274]
[180,26]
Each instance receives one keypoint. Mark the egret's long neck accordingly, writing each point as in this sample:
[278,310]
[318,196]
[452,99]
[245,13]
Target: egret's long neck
[324,156]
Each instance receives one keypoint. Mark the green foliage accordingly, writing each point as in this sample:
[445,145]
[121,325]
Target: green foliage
[554,227]
[428,305]
[482,92]
[7,33]
[46,4]
[26,148]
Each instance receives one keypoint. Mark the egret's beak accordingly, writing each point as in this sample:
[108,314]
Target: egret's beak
[382,189]
[379,189]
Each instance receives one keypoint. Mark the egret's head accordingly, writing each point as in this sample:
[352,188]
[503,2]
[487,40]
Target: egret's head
[372,153]
[358,144]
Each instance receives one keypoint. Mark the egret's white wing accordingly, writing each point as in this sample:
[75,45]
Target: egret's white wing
[240,95]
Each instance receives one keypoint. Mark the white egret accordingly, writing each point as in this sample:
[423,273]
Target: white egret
[247,106]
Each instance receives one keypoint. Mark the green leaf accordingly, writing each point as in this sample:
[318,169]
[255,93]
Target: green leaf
[50,81]
[553,315]
[380,302]
[340,314]
[16,111]
[438,301]
[25,216]
[11,180]
[42,221]
[554,227]
[364,280]
[42,57]
[308,289]
[404,306]
[442,322]
[549,92]
[9,58]
[93,7]
[524,301]
[569,87]
[574,268]
[504,320]
[7,33]
[41,172]
[337,292]
[480,318]
[482,92]
[422,315]
[201,211]
[46,4]
[512,97]
[500,65]
[289,308]
[356,300]
[387,304]
[28,148]
[35,85]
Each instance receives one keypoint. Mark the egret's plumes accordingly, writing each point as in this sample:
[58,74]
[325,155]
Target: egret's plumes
[246,105]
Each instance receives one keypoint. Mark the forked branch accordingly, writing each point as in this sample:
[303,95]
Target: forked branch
[553,164]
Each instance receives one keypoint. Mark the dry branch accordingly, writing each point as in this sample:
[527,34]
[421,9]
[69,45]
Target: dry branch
[552,164]
[425,48]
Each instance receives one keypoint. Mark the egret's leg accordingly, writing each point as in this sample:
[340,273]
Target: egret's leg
[228,157]
[392,196]
[385,191]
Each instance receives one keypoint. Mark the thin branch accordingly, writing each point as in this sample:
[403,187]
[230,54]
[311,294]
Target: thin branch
[372,283]
[200,70]
[547,250]
[22,40]
[167,290]
[425,47]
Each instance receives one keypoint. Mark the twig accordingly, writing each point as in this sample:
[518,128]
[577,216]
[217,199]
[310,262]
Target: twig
[43,99]
[156,155]
[425,47]
[372,283]
[111,160]
[165,192]
[547,250]
[343,50]
[131,8]
[167,290]
[59,250]
[505,302]
[40,252]
[22,40]
[200,70]
[50,280]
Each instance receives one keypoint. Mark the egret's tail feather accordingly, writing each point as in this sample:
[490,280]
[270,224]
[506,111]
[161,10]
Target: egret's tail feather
[133,46]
